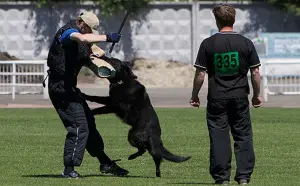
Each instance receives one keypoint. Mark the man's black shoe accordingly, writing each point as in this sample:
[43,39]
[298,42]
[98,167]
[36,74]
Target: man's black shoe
[113,168]
[243,182]
[222,182]
[72,174]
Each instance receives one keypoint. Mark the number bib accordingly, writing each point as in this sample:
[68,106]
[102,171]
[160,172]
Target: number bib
[227,63]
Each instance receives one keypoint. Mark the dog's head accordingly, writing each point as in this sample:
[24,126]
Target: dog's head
[123,70]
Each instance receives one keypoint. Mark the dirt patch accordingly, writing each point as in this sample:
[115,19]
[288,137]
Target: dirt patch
[154,73]
[5,56]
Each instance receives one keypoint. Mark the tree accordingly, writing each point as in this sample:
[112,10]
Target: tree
[108,7]
[292,6]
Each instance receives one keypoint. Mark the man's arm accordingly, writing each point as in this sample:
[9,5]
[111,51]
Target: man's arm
[87,38]
[200,66]
[94,38]
[255,80]
[254,64]
[198,81]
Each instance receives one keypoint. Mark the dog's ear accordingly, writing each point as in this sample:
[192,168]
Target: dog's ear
[128,63]
[129,70]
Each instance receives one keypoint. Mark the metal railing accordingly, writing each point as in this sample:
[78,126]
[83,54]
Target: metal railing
[23,77]
[281,76]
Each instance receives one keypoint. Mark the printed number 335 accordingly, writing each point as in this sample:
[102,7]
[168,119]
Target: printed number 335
[226,60]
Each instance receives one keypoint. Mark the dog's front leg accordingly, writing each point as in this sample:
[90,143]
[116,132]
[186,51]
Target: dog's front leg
[104,100]
[102,110]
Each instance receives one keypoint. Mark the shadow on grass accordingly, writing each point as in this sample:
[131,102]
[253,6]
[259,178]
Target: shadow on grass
[82,176]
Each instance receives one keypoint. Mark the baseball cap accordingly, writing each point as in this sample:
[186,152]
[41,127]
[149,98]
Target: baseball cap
[91,20]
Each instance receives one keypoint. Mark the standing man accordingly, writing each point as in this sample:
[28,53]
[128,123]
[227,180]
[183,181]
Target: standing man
[227,57]
[69,51]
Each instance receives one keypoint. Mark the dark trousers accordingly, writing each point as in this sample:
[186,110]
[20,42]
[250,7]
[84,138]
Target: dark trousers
[81,128]
[223,116]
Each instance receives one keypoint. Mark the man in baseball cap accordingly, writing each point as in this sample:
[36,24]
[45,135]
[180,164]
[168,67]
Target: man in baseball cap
[72,48]
[91,20]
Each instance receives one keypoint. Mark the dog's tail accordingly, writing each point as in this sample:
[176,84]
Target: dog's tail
[160,150]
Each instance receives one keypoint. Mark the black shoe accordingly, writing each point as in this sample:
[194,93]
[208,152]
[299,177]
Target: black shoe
[222,182]
[243,182]
[113,168]
[72,174]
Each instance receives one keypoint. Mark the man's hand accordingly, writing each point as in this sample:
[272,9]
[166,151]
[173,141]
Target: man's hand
[113,37]
[198,82]
[195,102]
[256,101]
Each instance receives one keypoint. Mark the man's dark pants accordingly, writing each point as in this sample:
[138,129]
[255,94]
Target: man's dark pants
[224,115]
[80,125]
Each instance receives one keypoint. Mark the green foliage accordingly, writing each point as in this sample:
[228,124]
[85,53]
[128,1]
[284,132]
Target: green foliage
[108,7]
[292,6]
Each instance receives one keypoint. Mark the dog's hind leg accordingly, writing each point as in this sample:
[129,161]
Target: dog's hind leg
[135,138]
[155,153]
[140,152]
[157,162]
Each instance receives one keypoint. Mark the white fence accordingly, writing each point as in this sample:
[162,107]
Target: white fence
[281,76]
[23,77]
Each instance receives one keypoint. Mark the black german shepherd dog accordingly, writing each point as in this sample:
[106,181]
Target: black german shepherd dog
[129,100]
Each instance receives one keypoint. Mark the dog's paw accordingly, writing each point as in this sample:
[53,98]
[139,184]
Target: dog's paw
[131,157]
[84,96]
[94,112]
[158,174]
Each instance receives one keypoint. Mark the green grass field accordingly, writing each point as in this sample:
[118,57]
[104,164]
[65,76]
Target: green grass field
[32,140]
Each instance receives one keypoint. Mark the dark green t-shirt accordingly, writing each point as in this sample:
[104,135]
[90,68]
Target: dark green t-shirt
[227,58]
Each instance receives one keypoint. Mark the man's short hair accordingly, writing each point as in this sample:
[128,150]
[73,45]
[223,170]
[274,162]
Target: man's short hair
[224,14]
